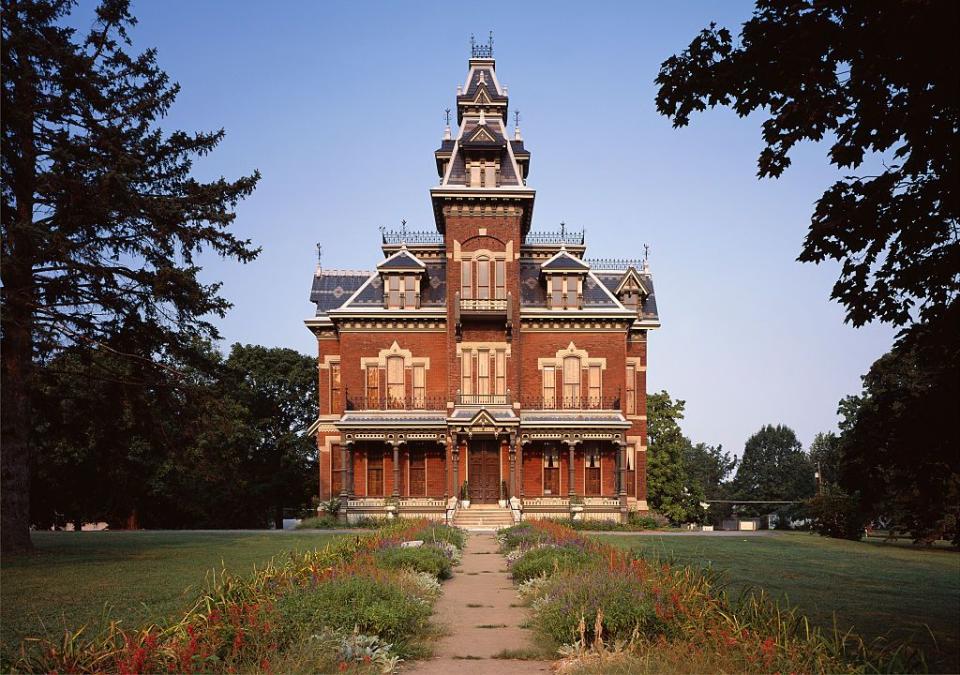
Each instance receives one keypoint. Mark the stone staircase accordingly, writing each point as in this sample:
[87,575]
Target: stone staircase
[483,517]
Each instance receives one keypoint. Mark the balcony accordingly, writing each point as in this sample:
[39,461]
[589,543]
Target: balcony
[571,403]
[483,306]
[384,402]
[484,399]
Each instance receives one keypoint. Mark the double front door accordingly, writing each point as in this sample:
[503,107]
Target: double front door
[484,472]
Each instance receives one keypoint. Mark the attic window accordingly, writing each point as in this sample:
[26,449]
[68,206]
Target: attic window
[401,291]
[565,291]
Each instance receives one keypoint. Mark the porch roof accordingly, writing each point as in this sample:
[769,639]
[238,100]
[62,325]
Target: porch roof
[580,419]
[391,419]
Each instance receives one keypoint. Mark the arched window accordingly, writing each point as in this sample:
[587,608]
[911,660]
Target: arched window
[395,392]
[571,382]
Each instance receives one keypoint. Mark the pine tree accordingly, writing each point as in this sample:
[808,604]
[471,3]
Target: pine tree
[102,221]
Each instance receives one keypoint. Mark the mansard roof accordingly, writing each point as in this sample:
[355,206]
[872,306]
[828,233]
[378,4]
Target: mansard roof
[400,261]
[533,291]
[332,288]
[563,261]
[433,290]
[613,279]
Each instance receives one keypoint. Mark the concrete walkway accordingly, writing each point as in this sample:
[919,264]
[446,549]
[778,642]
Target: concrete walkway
[479,610]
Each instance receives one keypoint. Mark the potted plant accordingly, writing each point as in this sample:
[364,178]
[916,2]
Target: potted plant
[576,507]
[465,495]
[504,494]
[392,506]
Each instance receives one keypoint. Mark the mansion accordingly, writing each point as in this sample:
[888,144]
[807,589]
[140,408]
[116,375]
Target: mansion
[484,362]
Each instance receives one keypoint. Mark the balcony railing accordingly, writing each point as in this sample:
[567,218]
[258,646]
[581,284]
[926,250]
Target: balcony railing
[484,399]
[619,264]
[484,305]
[561,237]
[571,403]
[383,402]
[410,237]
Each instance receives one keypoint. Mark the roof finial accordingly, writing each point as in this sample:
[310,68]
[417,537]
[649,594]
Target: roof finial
[319,257]
[481,51]
[403,227]
[446,131]
[563,231]
[516,126]
[483,119]
[646,259]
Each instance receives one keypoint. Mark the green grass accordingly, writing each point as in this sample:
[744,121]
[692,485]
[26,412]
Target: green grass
[879,590]
[140,576]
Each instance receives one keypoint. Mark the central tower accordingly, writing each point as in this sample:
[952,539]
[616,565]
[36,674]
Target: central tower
[483,208]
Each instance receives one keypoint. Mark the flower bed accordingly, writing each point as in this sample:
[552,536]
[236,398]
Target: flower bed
[343,607]
[603,609]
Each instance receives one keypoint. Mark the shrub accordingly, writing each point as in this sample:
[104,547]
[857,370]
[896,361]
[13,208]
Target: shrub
[326,522]
[522,535]
[544,561]
[649,521]
[426,558]
[443,533]
[835,515]
[573,594]
[370,605]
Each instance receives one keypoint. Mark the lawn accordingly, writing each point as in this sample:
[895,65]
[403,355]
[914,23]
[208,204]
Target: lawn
[139,576]
[879,590]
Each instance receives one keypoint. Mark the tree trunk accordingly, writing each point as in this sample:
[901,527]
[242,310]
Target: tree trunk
[278,517]
[16,362]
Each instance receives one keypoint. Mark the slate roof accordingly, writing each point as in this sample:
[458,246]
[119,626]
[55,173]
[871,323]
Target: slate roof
[612,279]
[562,261]
[332,288]
[499,414]
[401,260]
[494,125]
[474,84]
[433,288]
[533,290]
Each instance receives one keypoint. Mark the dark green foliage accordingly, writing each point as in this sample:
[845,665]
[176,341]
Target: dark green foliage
[191,450]
[874,78]
[707,468]
[825,457]
[429,559]
[444,534]
[835,514]
[373,606]
[774,467]
[102,221]
[545,561]
[670,489]
[900,442]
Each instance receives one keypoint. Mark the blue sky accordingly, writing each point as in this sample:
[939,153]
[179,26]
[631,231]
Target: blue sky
[340,106]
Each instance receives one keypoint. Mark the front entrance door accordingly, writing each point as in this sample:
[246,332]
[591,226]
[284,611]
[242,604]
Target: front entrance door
[484,474]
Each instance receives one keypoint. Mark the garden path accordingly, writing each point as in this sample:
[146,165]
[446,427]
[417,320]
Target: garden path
[479,610]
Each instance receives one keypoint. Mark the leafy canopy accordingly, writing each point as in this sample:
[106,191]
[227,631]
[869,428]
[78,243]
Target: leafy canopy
[878,81]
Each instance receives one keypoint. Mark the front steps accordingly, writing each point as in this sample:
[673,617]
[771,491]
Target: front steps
[483,517]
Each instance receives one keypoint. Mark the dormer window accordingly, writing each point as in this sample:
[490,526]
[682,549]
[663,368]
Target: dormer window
[565,291]
[402,291]
[484,174]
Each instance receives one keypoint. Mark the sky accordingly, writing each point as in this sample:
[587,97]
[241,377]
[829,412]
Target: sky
[340,106]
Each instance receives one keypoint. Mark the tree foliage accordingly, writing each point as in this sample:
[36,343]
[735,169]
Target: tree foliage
[102,220]
[774,467]
[879,81]
[899,442]
[669,488]
[708,467]
[219,447]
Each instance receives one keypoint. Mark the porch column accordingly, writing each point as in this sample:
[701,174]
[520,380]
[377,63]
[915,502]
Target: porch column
[456,466]
[442,442]
[512,449]
[344,489]
[350,485]
[571,444]
[520,468]
[617,476]
[396,467]
[621,470]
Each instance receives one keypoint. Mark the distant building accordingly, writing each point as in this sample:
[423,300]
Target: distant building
[483,353]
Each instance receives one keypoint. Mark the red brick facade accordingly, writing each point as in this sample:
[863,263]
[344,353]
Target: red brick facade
[484,353]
